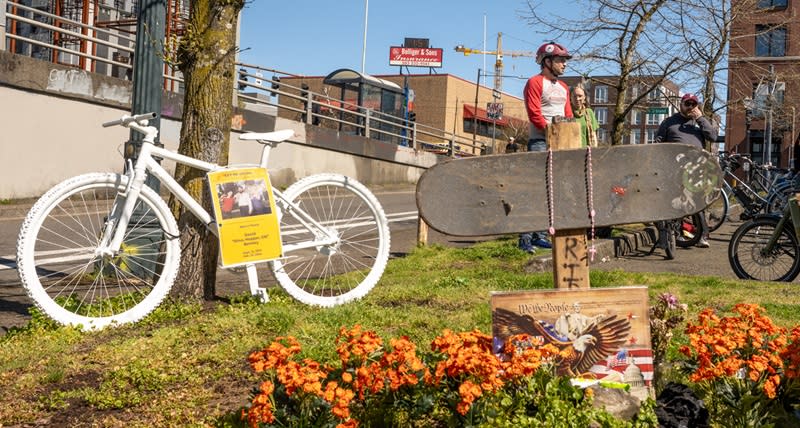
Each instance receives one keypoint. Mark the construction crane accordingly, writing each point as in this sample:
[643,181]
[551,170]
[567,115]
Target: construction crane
[498,53]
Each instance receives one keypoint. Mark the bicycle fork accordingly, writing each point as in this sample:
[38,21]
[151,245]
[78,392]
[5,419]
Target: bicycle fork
[792,211]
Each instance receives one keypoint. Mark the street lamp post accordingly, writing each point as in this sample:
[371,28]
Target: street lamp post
[770,103]
[364,46]
[748,120]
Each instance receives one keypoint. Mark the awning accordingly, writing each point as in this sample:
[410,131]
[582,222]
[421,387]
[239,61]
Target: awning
[469,113]
[344,76]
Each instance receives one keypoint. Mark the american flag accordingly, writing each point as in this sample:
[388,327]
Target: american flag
[618,362]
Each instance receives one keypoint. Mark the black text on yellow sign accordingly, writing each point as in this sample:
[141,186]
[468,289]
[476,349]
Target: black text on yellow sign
[246,216]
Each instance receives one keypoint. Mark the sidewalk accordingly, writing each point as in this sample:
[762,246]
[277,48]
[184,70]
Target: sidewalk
[632,239]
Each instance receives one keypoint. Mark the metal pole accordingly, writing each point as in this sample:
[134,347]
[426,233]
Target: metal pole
[148,66]
[148,69]
[768,136]
[364,47]
[475,115]
[791,150]
[3,25]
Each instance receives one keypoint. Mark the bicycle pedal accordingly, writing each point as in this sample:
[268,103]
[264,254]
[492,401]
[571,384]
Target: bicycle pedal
[687,234]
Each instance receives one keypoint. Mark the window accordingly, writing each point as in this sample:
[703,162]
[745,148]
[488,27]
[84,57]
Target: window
[485,129]
[634,91]
[761,97]
[655,94]
[654,119]
[770,41]
[602,115]
[651,136]
[636,136]
[601,94]
[602,135]
[772,4]
[636,117]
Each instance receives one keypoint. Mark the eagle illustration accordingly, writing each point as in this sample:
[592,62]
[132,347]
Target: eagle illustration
[594,340]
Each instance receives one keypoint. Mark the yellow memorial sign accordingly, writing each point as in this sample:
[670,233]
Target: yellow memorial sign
[246,216]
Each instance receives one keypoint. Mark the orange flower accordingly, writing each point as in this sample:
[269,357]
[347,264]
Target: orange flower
[350,423]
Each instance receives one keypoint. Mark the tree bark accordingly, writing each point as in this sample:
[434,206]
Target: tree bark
[206,56]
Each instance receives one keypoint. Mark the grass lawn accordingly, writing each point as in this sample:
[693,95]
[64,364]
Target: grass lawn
[186,365]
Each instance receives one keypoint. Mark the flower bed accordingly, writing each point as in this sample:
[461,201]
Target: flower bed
[743,366]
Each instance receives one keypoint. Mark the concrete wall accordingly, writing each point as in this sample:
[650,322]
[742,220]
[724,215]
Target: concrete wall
[50,130]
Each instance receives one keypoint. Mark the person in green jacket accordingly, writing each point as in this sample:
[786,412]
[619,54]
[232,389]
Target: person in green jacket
[585,116]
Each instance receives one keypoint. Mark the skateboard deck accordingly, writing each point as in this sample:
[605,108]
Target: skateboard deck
[498,194]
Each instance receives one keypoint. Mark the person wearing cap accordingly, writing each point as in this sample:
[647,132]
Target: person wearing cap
[545,97]
[689,126]
[512,146]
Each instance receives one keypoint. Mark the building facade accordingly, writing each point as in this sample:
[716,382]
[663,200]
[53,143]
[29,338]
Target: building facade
[438,101]
[763,84]
[643,120]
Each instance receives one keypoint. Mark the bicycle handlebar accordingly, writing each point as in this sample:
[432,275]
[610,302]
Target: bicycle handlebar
[126,120]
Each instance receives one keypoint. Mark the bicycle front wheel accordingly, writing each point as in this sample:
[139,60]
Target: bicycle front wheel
[749,258]
[329,274]
[70,280]
[717,211]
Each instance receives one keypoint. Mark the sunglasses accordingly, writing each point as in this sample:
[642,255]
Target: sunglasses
[690,103]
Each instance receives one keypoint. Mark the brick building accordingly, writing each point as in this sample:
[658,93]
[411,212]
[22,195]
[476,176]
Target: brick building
[643,121]
[764,57]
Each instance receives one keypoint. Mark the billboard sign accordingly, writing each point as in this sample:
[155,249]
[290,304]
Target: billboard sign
[415,57]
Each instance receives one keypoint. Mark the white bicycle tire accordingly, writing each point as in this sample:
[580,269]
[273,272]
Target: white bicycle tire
[371,211]
[32,227]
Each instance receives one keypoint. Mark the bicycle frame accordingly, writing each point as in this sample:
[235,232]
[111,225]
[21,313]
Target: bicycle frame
[792,210]
[117,224]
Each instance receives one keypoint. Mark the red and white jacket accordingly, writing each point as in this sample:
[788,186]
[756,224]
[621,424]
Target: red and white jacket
[544,99]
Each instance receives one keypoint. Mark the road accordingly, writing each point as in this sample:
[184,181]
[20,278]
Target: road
[400,207]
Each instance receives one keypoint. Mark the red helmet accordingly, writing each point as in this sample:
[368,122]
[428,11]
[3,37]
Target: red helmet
[551,49]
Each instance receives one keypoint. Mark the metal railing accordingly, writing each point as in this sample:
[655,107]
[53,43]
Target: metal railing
[108,51]
[311,108]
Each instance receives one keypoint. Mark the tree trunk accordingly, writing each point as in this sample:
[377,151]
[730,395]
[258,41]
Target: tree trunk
[207,56]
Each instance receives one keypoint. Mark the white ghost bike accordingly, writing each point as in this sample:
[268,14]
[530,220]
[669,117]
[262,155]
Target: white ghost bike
[76,262]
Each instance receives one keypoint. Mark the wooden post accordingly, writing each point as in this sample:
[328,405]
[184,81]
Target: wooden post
[422,232]
[570,253]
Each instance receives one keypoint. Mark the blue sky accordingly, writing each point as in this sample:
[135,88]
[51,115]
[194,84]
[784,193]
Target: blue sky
[315,37]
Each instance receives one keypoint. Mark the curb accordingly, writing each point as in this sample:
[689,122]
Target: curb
[627,243]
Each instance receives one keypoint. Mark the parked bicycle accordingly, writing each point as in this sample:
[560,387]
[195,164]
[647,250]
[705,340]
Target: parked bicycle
[76,260]
[768,192]
[683,232]
[767,247]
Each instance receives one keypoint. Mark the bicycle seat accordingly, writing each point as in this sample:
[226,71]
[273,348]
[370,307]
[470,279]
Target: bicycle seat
[275,136]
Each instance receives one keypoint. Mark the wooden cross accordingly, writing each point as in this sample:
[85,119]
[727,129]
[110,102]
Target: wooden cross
[570,251]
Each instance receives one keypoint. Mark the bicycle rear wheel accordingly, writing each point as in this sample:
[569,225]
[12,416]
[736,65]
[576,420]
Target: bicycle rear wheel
[331,274]
[717,211]
[778,197]
[688,231]
[669,239]
[749,260]
[73,283]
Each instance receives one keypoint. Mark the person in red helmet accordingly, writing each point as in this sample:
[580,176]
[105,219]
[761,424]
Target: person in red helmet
[546,97]
[689,126]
